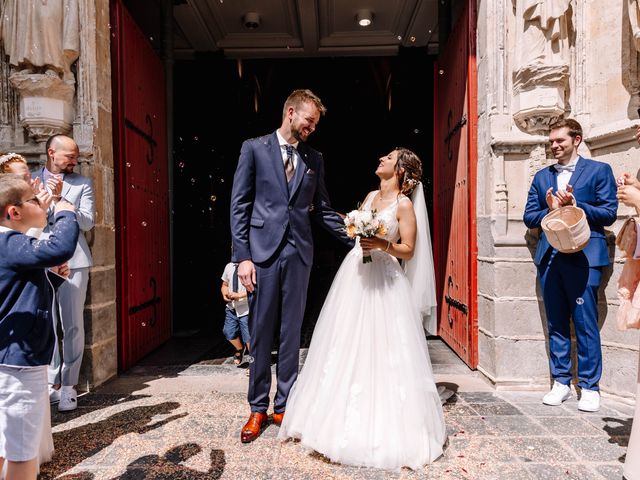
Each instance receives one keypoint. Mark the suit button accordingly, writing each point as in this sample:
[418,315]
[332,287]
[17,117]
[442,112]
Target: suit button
[290,207]
[51,224]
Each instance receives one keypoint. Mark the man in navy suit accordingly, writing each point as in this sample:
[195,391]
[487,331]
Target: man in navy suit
[278,186]
[570,282]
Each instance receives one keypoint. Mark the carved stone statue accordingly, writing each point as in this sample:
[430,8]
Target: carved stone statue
[545,33]
[41,39]
[541,66]
[41,36]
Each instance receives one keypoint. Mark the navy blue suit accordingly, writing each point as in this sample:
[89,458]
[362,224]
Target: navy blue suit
[270,225]
[570,282]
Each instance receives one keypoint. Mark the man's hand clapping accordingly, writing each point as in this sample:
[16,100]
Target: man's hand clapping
[561,199]
[63,206]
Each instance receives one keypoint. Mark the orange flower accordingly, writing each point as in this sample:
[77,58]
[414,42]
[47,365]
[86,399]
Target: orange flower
[351,231]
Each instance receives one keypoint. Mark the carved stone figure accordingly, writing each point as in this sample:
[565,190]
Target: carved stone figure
[541,72]
[41,36]
[545,33]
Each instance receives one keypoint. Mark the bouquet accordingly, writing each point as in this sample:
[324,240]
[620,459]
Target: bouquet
[364,223]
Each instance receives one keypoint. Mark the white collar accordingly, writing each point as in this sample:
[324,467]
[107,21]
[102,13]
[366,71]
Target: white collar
[4,229]
[283,142]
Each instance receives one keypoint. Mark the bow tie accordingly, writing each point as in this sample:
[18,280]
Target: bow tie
[565,168]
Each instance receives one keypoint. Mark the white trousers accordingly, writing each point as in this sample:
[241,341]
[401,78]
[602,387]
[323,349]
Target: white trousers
[70,298]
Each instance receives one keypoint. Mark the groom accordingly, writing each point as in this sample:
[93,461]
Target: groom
[278,186]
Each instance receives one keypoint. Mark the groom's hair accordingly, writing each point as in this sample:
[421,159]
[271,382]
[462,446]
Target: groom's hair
[299,97]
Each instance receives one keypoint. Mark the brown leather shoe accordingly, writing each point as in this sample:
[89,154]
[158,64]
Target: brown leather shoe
[277,418]
[253,427]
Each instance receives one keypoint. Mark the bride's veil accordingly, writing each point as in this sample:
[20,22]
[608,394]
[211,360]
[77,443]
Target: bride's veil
[419,269]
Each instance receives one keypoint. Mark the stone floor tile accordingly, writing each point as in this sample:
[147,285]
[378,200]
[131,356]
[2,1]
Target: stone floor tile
[522,397]
[532,449]
[458,408]
[514,425]
[542,471]
[481,449]
[610,472]
[540,410]
[597,449]
[495,408]
[614,426]
[470,426]
[569,426]
[480,397]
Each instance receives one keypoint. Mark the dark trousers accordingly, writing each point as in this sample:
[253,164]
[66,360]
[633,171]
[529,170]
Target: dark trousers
[277,302]
[570,290]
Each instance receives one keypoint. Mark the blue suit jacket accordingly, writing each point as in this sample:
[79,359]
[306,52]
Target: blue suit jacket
[264,206]
[26,326]
[594,188]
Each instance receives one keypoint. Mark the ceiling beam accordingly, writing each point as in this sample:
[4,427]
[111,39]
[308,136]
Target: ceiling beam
[308,14]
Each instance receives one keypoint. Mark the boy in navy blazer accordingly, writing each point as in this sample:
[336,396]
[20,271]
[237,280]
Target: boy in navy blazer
[27,334]
[570,282]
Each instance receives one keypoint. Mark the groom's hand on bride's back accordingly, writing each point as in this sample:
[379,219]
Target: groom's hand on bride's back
[247,275]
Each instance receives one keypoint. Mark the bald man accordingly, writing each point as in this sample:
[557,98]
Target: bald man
[62,182]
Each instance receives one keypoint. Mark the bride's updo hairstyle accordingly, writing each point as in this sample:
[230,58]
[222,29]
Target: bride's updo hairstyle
[409,161]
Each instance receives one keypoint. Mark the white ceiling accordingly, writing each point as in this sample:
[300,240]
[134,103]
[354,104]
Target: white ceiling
[303,28]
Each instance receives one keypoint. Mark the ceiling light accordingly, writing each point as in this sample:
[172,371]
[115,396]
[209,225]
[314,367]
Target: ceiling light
[364,18]
[251,20]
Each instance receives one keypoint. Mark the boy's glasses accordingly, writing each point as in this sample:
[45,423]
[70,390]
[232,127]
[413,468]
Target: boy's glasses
[34,200]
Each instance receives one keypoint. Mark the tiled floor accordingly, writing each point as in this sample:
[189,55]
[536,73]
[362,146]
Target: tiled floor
[182,421]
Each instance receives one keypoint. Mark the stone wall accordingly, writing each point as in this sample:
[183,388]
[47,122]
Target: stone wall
[601,93]
[92,131]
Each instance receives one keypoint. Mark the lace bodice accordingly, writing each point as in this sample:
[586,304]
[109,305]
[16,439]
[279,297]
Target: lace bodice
[389,215]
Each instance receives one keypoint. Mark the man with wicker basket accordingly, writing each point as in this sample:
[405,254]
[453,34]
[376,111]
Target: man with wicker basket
[569,269]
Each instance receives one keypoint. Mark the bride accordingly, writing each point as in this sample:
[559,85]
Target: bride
[366,394]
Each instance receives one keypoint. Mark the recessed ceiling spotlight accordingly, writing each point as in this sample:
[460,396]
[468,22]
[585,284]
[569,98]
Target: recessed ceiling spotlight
[364,18]
[251,20]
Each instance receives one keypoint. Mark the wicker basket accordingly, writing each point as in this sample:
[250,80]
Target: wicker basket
[567,229]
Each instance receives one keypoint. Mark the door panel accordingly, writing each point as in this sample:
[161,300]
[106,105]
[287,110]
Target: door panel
[141,172]
[454,190]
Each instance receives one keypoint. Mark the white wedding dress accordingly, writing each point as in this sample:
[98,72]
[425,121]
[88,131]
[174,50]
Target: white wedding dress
[366,395]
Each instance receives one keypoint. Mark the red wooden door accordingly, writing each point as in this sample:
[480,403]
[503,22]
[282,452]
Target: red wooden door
[141,173]
[455,248]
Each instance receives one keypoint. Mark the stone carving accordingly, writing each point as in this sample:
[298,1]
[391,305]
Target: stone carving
[41,39]
[42,36]
[541,73]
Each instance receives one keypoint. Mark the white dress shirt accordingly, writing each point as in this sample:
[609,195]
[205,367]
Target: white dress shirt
[565,175]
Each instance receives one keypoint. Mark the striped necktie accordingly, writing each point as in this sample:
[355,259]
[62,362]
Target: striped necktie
[288,163]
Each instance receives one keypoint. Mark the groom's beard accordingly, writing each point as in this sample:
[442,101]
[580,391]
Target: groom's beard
[298,134]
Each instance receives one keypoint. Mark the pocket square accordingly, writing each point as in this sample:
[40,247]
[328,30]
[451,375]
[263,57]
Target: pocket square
[310,172]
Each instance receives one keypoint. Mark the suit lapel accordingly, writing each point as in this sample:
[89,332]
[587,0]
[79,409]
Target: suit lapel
[580,166]
[66,185]
[300,169]
[278,165]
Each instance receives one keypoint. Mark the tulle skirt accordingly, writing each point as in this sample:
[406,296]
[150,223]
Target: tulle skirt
[366,395]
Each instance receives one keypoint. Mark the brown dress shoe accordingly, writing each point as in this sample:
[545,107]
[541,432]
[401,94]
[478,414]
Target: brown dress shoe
[277,418]
[253,427]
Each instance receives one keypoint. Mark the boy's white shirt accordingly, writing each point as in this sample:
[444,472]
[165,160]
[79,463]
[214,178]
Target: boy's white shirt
[240,306]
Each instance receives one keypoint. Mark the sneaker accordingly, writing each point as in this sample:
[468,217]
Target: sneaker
[54,395]
[589,401]
[68,399]
[558,394]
